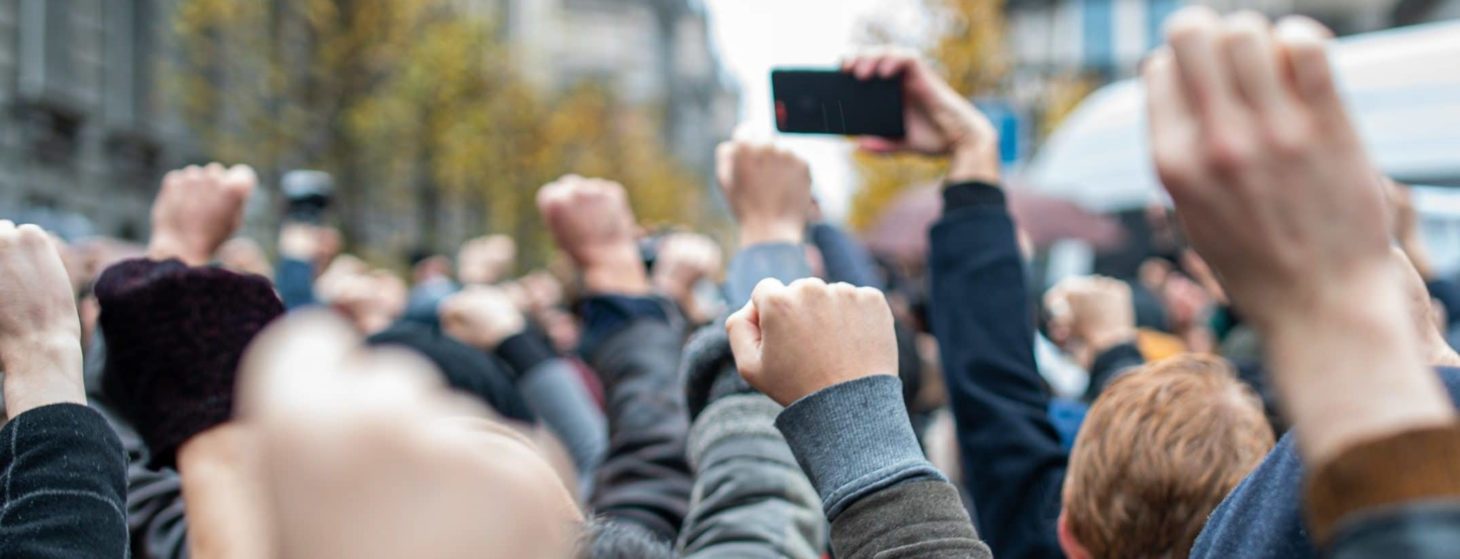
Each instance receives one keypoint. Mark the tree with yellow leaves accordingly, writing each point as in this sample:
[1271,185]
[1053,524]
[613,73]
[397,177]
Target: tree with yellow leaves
[414,106]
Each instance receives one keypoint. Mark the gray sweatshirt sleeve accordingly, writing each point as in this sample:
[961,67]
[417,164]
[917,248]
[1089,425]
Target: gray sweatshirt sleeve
[750,499]
[563,403]
[783,261]
[883,498]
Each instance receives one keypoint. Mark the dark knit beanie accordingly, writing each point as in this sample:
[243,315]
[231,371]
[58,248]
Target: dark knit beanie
[174,336]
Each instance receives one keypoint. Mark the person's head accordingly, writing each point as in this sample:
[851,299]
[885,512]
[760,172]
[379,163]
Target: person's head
[1159,450]
[426,266]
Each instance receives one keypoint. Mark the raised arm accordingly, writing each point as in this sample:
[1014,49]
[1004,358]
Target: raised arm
[829,353]
[1013,463]
[645,478]
[1253,143]
[63,467]
[751,499]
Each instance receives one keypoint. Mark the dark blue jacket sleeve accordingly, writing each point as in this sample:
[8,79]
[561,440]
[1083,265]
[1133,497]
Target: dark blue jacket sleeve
[1013,464]
[846,259]
[294,279]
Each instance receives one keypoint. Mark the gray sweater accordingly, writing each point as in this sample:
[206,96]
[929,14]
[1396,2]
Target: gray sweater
[883,498]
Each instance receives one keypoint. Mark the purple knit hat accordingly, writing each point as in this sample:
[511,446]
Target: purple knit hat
[174,335]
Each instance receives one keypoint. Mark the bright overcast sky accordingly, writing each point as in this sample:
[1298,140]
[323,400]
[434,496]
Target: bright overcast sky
[755,36]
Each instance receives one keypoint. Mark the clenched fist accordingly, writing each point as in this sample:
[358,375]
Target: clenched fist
[1275,190]
[1095,311]
[591,220]
[481,317]
[1251,138]
[769,190]
[197,210]
[791,341]
[40,334]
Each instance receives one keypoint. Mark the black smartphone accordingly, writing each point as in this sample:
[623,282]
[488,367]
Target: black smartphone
[836,102]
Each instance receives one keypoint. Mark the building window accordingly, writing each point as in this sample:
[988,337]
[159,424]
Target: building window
[46,63]
[130,64]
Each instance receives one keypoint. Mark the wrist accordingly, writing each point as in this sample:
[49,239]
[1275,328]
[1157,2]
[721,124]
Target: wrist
[164,247]
[1103,340]
[756,233]
[618,271]
[43,371]
[974,159]
[1338,391]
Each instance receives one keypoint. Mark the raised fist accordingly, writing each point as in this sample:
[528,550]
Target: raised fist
[481,317]
[769,190]
[197,210]
[1095,311]
[590,219]
[1251,139]
[793,340]
[485,260]
[40,332]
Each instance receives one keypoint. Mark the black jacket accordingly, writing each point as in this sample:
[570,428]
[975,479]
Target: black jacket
[64,486]
[1013,463]
[645,479]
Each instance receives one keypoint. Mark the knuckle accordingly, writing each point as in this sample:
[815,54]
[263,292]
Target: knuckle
[1226,152]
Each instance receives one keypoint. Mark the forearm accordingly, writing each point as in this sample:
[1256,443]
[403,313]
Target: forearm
[750,497]
[845,258]
[551,388]
[783,261]
[41,371]
[645,477]
[866,489]
[1013,460]
[1336,391]
[224,495]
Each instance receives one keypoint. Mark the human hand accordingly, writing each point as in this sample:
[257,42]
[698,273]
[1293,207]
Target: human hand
[40,332]
[791,341]
[197,209]
[1096,311]
[371,299]
[768,188]
[1274,188]
[481,317]
[1272,182]
[938,120]
[591,220]
[685,259]
[366,454]
[485,260]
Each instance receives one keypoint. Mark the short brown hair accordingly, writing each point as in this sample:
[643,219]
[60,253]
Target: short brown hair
[1158,451]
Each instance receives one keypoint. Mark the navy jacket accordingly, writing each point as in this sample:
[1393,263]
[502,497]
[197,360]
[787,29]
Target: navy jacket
[1263,517]
[1013,463]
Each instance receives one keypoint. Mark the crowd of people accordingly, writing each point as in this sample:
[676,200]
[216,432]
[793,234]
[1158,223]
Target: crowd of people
[1275,384]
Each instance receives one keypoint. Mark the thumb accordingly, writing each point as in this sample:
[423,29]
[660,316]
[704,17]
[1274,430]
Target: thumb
[743,329]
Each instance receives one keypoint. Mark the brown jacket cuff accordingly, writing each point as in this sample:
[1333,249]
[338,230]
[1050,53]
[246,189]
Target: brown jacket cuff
[1416,465]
